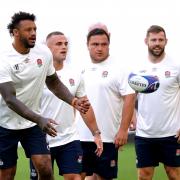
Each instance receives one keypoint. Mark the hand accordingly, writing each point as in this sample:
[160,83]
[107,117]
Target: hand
[99,144]
[132,126]
[178,136]
[81,104]
[46,125]
[133,123]
[121,138]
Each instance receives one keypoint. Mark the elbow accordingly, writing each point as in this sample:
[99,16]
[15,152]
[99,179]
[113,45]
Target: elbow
[10,102]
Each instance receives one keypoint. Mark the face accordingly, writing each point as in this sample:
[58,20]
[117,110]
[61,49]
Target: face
[58,45]
[156,43]
[25,33]
[98,47]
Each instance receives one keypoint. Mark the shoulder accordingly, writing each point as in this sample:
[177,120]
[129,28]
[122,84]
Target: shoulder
[42,49]
[71,70]
[4,59]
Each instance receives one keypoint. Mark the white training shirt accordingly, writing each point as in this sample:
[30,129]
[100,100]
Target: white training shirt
[60,111]
[28,73]
[105,84]
[159,112]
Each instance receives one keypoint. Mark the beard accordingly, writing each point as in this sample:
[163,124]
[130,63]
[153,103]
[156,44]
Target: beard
[156,53]
[26,43]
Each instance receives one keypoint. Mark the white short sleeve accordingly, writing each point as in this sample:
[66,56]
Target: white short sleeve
[5,72]
[81,88]
[51,69]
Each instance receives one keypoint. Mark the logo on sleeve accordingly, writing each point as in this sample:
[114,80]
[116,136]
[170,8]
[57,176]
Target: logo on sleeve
[17,68]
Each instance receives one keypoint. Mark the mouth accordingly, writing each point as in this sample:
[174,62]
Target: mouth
[63,52]
[32,40]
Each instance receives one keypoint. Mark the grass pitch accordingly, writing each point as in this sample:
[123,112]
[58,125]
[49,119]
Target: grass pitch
[127,166]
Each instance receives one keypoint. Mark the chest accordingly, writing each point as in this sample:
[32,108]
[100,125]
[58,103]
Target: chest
[168,76]
[26,69]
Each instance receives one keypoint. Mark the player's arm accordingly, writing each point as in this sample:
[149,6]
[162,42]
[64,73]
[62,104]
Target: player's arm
[61,91]
[8,93]
[133,123]
[127,113]
[178,136]
[90,121]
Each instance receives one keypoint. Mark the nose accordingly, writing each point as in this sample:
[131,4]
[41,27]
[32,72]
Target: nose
[33,32]
[99,47]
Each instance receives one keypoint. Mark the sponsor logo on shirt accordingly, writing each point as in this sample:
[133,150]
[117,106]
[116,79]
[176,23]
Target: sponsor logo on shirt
[26,60]
[154,69]
[71,82]
[104,74]
[167,74]
[39,62]
[142,71]
[93,69]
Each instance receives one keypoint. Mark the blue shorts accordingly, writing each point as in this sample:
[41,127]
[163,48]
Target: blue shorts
[151,151]
[68,157]
[33,140]
[106,165]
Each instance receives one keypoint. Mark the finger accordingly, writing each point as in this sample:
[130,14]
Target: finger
[120,148]
[53,122]
[51,128]
[98,151]
[52,132]
[82,110]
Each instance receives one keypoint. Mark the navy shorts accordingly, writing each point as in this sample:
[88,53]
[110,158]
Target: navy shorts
[33,140]
[151,151]
[106,165]
[68,157]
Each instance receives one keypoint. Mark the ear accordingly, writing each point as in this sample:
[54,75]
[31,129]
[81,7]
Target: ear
[146,41]
[15,32]
[87,45]
[166,41]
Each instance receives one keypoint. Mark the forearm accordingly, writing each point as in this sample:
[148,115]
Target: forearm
[90,121]
[8,93]
[21,109]
[59,89]
[127,112]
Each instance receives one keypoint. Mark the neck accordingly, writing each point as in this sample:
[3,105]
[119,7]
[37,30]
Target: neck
[96,61]
[58,65]
[155,59]
[20,48]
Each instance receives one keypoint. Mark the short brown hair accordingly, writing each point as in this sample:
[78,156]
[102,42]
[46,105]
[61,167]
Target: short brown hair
[155,29]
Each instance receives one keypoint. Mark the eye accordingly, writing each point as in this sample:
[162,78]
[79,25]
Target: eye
[95,44]
[104,44]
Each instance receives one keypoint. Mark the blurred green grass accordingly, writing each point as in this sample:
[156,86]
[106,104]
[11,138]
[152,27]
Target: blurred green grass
[126,163]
